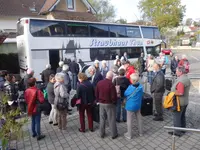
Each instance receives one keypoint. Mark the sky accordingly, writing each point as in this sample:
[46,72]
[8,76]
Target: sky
[127,9]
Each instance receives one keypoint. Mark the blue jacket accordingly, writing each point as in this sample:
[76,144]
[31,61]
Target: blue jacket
[134,102]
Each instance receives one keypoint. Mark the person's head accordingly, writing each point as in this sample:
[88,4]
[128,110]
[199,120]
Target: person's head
[160,54]
[151,57]
[171,54]
[52,78]
[126,65]
[30,71]
[61,63]
[96,63]
[176,58]
[13,79]
[104,63]
[82,77]
[9,77]
[65,67]
[122,72]
[180,70]
[59,77]
[118,63]
[117,57]
[156,66]
[134,78]
[148,56]
[48,66]
[142,54]
[109,75]
[92,70]
[184,56]
[125,53]
[115,69]
[31,82]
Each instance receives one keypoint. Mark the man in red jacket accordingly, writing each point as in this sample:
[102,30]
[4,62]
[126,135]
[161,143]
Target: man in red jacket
[32,94]
[129,69]
[106,95]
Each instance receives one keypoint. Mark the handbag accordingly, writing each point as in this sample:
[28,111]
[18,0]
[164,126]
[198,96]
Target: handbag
[126,98]
[118,90]
[61,106]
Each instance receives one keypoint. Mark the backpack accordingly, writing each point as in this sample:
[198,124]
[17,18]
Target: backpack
[166,60]
[186,64]
[118,90]
[45,94]
[172,102]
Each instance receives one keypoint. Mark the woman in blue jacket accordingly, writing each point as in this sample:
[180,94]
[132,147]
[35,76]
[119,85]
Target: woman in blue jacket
[133,96]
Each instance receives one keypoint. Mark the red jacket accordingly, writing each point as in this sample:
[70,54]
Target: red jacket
[130,70]
[105,92]
[30,97]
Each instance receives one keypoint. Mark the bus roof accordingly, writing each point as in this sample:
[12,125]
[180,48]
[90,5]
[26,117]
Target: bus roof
[90,22]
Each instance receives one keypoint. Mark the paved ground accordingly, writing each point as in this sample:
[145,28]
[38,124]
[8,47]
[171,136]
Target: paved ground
[155,137]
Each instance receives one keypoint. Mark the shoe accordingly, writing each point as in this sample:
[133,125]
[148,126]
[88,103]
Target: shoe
[34,135]
[114,137]
[40,137]
[183,132]
[124,120]
[102,136]
[69,109]
[50,122]
[91,130]
[176,134]
[80,130]
[158,119]
[117,120]
[155,114]
[126,136]
[55,124]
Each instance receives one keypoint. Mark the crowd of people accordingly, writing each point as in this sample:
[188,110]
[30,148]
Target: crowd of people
[116,91]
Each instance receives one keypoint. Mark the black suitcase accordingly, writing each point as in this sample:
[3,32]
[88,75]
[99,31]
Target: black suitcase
[95,113]
[147,105]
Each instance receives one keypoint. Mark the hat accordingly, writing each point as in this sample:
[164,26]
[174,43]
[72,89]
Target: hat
[96,62]
[29,71]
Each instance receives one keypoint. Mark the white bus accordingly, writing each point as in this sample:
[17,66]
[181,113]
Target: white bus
[42,42]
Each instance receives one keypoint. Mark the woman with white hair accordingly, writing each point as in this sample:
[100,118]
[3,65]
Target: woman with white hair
[67,80]
[61,100]
[104,69]
[133,104]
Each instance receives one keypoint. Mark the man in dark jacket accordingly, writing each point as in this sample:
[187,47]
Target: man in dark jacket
[141,64]
[46,73]
[106,95]
[174,65]
[74,68]
[51,98]
[157,88]
[123,83]
[95,76]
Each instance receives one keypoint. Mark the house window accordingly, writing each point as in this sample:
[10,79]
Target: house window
[70,4]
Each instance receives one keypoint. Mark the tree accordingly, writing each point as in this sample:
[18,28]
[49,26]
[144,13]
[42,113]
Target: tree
[188,21]
[121,21]
[163,13]
[105,10]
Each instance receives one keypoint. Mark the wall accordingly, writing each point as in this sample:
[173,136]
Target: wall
[8,22]
[61,5]
[80,7]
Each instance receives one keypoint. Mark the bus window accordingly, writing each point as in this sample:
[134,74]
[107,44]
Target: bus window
[156,34]
[114,52]
[98,30]
[46,28]
[147,32]
[99,54]
[133,32]
[117,31]
[77,29]
[20,28]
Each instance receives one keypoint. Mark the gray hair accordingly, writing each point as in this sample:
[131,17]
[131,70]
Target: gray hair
[92,68]
[48,66]
[65,68]
[59,77]
[109,75]
[184,56]
[134,77]
[61,63]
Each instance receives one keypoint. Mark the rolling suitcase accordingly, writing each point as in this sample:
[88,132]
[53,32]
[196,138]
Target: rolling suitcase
[95,113]
[147,105]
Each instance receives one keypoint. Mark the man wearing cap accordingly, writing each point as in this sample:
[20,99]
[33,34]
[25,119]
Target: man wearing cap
[157,88]
[30,73]
[46,73]
[96,65]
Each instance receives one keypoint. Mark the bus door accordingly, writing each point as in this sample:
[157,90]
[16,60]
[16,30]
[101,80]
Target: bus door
[40,59]
[54,58]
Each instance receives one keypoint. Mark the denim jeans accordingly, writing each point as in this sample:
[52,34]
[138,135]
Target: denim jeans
[119,109]
[35,124]
[74,81]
